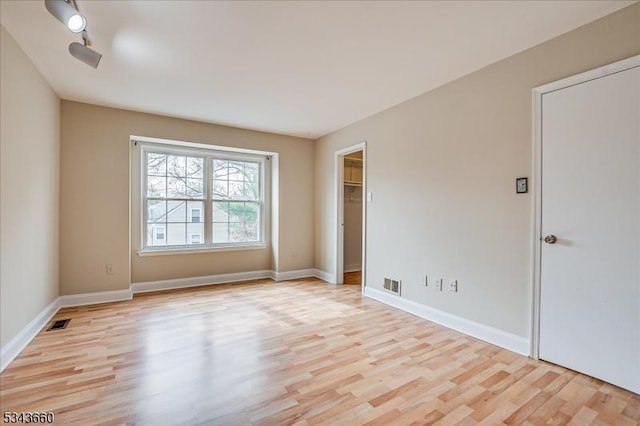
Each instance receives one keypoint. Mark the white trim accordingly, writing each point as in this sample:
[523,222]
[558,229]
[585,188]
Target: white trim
[192,250]
[187,144]
[293,275]
[339,197]
[324,276]
[536,188]
[144,287]
[95,298]
[353,267]
[13,347]
[491,335]
[339,252]
[623,65]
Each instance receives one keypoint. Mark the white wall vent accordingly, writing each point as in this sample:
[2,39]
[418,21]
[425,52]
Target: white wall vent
[392,285]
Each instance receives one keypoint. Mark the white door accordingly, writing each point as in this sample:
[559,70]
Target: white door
[590,276]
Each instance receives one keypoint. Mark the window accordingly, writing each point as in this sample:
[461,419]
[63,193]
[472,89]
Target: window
[236,201]
[194,198]
[158,232]
[195,215]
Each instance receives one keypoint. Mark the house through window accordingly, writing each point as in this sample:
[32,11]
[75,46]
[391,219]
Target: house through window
[158,231]
[195,215]
[201,199]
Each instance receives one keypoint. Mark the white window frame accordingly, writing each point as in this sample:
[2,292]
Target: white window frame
[206,214]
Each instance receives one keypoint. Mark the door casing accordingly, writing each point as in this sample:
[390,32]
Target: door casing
[536,246]
[339,197]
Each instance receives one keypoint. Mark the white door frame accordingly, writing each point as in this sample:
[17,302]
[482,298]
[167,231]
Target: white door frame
[536,247]
[339,185]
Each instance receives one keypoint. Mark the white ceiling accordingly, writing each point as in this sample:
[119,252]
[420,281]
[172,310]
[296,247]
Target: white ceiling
[302,68]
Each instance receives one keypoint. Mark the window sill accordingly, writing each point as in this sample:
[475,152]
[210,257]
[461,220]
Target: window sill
[167,252]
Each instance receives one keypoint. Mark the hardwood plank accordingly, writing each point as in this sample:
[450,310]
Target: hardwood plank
[296,352]
[352,278]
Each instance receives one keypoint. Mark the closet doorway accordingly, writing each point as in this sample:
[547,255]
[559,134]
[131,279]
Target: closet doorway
[350,253]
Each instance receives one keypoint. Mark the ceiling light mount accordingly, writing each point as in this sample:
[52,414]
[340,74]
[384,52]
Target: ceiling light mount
[67,12]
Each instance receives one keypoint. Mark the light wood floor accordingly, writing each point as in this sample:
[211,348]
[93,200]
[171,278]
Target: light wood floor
[298,352]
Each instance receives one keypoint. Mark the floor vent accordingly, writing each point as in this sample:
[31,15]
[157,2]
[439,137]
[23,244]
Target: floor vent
[392,285]
[59,324]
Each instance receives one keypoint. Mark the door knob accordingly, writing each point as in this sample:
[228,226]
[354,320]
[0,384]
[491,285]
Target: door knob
[550,239]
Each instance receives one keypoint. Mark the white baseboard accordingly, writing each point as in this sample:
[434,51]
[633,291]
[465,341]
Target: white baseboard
[492,335]
[13,347]
[352,268]
[147,286]
[293,275]
[325,276]
[95,298]
[144,287]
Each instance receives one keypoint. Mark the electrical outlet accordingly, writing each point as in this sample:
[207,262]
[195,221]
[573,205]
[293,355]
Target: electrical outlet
[109,269]
[438,284]
[453,285]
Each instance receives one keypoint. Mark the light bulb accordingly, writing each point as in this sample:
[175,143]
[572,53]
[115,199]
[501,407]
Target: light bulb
[76,23]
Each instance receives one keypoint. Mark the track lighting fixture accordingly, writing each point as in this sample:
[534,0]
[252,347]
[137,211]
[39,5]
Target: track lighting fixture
[66,11]
[84,53]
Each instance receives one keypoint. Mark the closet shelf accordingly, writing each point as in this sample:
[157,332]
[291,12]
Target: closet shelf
[349,183]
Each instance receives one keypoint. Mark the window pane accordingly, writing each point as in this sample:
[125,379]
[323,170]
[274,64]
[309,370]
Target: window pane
[176,234]
[156,235]
[156,164]
[220,169]
[251,229]
[194,188]
[237,233]
[176,211]
[220,232]
[236,212]
[220,211]
[195,231]
[176,188]
[251,191]
[252,172]
[195,211]
[176,166]
[251,212]
[156,187]
[236,170]
[236,190]
[243,212]
[220,190]
[195,167]
[156,211]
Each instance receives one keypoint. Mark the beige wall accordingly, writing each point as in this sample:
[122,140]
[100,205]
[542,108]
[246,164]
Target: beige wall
[94,209]
[29,153]
[442,170]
